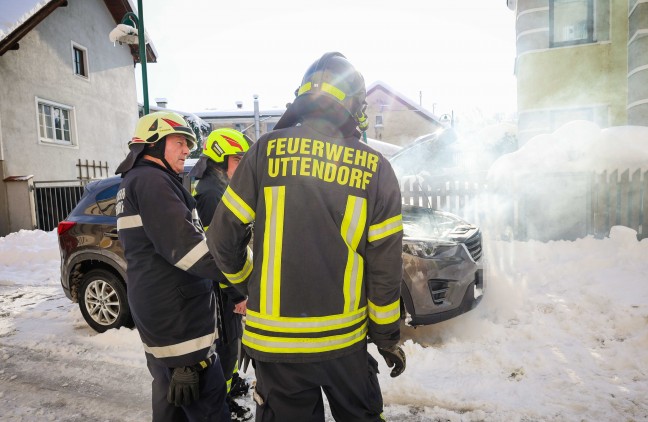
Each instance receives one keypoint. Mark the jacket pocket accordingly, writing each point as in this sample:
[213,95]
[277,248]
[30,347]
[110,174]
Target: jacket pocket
[202,287]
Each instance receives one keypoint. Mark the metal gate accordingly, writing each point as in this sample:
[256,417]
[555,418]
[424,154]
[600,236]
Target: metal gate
[54,200]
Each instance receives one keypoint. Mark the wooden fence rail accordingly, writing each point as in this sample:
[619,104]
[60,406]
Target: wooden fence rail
[558,206]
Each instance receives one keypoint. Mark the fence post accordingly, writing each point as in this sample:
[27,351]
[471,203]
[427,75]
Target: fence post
[635,200]
[614,199]
[644,208]
[624,203]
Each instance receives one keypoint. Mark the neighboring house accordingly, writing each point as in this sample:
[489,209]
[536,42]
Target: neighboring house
[253,123]
[68,102]
[580,60]
[395,119]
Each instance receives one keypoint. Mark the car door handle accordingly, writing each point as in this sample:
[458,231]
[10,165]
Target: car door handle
[112,234]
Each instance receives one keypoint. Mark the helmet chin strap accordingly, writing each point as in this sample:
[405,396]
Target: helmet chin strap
[157,150]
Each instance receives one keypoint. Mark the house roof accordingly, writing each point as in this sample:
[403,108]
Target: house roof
[18,18]
[381,86]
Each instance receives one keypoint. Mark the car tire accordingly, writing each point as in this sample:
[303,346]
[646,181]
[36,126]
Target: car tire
[103,302]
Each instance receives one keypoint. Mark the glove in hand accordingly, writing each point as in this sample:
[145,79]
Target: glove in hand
[394,357]
[184,386]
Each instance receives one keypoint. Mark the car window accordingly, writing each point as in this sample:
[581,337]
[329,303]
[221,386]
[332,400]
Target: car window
[104,202]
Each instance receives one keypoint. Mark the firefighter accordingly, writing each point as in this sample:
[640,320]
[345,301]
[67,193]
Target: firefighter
[326,270]
[170,273]
[220,157]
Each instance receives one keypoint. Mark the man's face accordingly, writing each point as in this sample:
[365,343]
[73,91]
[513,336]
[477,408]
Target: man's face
[232,163]
[176,151]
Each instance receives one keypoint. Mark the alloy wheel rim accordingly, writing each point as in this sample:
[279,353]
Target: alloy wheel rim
[102,302]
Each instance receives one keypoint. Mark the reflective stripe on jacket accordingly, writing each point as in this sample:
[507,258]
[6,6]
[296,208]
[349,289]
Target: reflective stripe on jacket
[327,251]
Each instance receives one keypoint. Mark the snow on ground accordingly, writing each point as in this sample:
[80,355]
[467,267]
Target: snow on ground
[561,335]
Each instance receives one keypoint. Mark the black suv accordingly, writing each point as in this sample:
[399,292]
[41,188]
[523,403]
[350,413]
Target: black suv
[442,262]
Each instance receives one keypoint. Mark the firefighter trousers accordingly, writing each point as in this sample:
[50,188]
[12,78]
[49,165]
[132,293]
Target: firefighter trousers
[210,406]
[293,391]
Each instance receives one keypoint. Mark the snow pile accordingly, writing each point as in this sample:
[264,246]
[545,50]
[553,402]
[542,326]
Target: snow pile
[560,335]
[578,146]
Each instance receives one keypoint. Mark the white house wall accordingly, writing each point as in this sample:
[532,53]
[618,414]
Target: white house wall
[105,104]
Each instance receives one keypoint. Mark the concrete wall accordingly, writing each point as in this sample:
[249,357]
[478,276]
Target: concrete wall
[105,103]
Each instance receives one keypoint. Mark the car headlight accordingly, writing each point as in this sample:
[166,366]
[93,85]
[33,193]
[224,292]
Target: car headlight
[429,249]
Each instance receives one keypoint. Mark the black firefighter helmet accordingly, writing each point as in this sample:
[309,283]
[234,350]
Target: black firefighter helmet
[331,77]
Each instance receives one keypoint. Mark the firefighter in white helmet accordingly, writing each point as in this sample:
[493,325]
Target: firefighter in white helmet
[326,271]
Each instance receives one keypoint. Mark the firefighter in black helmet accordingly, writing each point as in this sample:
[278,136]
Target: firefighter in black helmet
[326,270]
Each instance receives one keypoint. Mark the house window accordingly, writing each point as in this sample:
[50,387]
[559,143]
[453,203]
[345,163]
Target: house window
[572,22]
[55,122]
[80,60]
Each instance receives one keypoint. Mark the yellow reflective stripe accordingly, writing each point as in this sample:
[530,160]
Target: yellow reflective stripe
[334,91]
[304,324]
[353,225]
[304,88]
[239,277]
[193,256]
[183,348]
[129,222]
[237,206]
[275,200]
[386,228]
[384,314]
[273,344]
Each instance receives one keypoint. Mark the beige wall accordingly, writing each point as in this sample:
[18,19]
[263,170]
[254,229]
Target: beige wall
[401,123]
[588,81]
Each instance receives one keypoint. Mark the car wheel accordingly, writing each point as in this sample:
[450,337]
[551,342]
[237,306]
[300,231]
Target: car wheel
[103,301]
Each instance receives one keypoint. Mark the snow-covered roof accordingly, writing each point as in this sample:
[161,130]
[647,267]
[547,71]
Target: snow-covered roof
[210,114]
[18,17]
[14,13]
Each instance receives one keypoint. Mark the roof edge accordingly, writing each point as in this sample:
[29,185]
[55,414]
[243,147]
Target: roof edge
[10,42]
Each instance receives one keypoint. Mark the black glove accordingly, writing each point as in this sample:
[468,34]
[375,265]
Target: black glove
[184,386]
[394,356]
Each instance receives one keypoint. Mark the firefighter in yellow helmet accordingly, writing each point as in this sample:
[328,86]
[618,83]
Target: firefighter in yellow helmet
[326,271]
[221,154]
[170,272]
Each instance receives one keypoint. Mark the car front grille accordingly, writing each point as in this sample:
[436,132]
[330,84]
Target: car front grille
[474,245]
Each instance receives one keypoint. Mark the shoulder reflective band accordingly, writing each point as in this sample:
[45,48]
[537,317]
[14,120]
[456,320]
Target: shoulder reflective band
[275,200]
[193,256]
[239,277]
[179,349]
[353,226]
[237,206]
[384,314]
[384,229]
[129,222]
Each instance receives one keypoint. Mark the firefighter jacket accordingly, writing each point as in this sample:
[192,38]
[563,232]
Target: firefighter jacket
[208,193]
[169,268]
[327,264]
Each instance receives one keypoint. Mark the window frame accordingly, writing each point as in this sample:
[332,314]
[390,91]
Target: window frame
[84,52]
[589,21]
[42,130]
